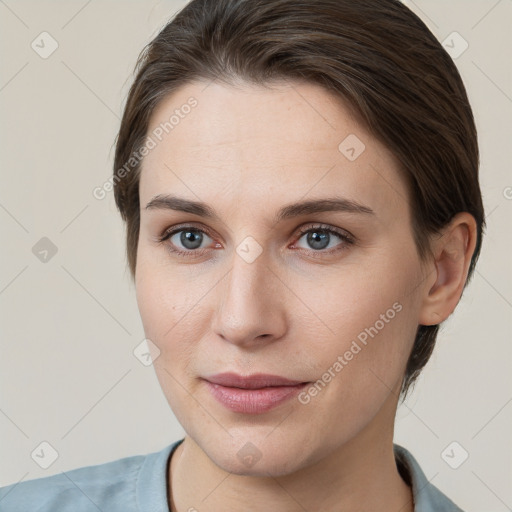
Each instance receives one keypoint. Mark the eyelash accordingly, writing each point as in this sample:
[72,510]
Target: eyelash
[346,238]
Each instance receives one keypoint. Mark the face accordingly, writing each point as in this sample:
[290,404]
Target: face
[327,293]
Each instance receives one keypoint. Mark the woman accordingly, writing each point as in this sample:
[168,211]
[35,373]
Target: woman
[299,182]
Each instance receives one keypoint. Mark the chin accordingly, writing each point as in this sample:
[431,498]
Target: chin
[278,464]
[253,452]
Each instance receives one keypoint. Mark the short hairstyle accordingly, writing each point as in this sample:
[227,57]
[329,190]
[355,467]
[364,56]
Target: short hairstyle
[376,55]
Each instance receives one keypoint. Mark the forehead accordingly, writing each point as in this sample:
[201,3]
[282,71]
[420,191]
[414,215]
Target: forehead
[296,138]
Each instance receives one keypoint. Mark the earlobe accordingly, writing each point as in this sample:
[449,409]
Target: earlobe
[452,251]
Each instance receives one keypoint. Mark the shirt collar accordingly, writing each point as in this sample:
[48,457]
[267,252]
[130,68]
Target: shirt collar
[427,497]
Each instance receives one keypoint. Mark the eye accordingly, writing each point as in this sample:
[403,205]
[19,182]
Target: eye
[186,240]
[321,237]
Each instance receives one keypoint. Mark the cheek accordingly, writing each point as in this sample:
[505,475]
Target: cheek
[360,367]
[172,308]
[369,321]
[166,297]
[159,305]
[167,314]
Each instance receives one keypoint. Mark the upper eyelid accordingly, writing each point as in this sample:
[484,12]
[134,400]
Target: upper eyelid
[325,227]
[176,229]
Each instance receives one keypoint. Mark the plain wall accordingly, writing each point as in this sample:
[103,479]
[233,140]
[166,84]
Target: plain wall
[68,375]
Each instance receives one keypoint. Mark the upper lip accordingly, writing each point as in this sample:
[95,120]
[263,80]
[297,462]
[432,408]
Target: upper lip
[255,381]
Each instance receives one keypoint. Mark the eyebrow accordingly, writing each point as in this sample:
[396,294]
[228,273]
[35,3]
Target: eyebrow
[329,204]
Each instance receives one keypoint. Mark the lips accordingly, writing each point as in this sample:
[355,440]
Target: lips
[256,381]
[253,394]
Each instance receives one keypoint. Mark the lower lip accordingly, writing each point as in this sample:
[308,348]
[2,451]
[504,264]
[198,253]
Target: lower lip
[253,401]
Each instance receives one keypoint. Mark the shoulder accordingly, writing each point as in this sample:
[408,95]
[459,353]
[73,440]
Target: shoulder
[427,497]
[103,486]
[127,484]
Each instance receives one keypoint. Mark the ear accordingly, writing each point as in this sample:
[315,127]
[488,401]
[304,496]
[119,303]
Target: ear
[452,251]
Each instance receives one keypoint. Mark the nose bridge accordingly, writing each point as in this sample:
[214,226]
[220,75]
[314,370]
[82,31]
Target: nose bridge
[249,308]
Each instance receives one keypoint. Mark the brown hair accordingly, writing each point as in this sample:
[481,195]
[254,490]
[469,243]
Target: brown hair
[377,55]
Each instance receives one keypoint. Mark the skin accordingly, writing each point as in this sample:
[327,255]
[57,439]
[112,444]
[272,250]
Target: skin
[248,151]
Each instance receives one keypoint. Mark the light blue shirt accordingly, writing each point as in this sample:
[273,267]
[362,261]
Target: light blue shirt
[139,484]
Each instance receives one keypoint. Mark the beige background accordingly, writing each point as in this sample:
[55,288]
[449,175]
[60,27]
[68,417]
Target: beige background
[69,325]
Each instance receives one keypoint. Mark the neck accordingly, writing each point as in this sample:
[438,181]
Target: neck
[359,476]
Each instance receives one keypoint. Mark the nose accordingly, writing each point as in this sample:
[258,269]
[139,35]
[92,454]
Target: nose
[250,302]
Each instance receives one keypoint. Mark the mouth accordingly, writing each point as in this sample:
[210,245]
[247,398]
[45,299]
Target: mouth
[253,394]
[255,381]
